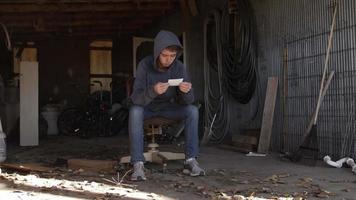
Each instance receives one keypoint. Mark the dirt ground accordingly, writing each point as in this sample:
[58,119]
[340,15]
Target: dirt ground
[230,175]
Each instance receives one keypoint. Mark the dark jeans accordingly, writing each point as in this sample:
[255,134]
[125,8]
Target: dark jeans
[138,114]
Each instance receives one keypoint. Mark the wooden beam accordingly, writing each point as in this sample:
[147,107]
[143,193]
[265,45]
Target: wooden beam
[81,7]
[108,166]
[73,33]
[46,36]
[268,113]
[185,15]
[80,1]
[81,23]
[19,17]
[193,7]
[26,167]
[78,30]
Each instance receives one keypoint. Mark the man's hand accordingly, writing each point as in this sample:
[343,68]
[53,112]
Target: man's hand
[185,87]
[160,88]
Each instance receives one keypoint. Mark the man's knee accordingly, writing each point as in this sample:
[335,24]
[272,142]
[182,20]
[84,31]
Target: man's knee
[192,111]
[136,111]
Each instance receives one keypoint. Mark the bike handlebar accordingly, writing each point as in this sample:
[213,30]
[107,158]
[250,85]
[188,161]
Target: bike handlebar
[98,82]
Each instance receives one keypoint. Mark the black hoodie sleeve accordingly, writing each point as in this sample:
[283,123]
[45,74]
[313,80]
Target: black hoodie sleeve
[186,98]
[142,93]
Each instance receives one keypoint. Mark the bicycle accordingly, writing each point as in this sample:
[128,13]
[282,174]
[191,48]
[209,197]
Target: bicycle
[98,117]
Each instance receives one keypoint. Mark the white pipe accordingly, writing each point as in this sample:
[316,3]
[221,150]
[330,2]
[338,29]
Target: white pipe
[337,164]
[352,164]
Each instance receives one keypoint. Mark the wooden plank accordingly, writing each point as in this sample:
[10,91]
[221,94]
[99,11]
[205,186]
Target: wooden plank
[26,167]
[285,100]
[236,148]
[93,165]
[244,139]
[268,113]
[251,132]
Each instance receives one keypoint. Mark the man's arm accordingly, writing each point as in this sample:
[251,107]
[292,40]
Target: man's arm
[142,93]
[186,93]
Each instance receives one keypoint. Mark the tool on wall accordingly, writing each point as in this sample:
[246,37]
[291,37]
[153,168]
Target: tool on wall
[310,135]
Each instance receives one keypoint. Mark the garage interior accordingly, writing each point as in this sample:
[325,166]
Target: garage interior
[274,81]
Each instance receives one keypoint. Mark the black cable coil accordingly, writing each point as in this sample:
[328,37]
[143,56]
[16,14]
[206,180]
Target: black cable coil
[238,41]
[230,67]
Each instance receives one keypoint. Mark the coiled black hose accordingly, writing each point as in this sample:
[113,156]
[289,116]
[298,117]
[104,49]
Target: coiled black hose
[216,107]
[230,65]
[238,41]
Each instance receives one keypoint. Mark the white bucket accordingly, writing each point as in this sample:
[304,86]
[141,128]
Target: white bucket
[50,114]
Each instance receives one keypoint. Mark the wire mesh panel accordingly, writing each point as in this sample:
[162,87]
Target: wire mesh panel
[302,27]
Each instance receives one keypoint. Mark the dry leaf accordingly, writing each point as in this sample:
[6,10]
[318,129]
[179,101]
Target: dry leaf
[200,188]
[306,179]
[283,175]
[244,182]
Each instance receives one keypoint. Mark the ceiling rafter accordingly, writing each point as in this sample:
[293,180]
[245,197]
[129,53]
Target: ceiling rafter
[81,7]
[81,17]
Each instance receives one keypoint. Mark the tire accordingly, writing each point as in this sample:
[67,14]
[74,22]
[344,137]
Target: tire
[70,122]
[119,121]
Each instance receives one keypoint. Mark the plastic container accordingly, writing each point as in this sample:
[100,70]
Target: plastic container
[50,114]
[2,145]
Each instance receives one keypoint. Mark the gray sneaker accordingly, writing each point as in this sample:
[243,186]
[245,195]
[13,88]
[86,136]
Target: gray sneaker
[191,167]
[138,172]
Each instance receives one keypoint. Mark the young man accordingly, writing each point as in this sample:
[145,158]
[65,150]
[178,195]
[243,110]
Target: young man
[152,96]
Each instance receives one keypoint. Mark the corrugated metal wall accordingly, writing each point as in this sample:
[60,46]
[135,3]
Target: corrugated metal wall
[302,28]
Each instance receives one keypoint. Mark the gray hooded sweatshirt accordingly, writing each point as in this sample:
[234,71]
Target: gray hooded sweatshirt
[148,74]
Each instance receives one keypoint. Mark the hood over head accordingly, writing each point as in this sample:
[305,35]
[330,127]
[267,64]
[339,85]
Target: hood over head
[163,40]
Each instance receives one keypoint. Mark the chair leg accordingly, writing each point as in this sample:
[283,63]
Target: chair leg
[153,145]
[153,154]
[171,156]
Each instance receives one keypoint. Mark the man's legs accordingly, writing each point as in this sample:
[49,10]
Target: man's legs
[190,114]
[136,116]
[191,131]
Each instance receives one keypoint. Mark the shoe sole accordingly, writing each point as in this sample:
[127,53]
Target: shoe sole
[188,172]
[138,179]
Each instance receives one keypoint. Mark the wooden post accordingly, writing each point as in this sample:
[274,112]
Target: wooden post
[185,15]
[193,7]
[285,99]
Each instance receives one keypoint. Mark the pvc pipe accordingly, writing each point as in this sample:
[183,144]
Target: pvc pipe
[352,164]
[337,164]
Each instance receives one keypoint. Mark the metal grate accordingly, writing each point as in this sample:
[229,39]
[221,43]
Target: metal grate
[302,27]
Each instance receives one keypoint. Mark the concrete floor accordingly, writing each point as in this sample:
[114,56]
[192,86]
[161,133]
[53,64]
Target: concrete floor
[228,173]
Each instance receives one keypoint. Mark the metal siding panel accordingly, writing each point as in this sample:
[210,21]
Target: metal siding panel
[303,27]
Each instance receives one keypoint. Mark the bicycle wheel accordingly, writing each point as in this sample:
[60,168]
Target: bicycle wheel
[70,122]
[101,125]
[119,121]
